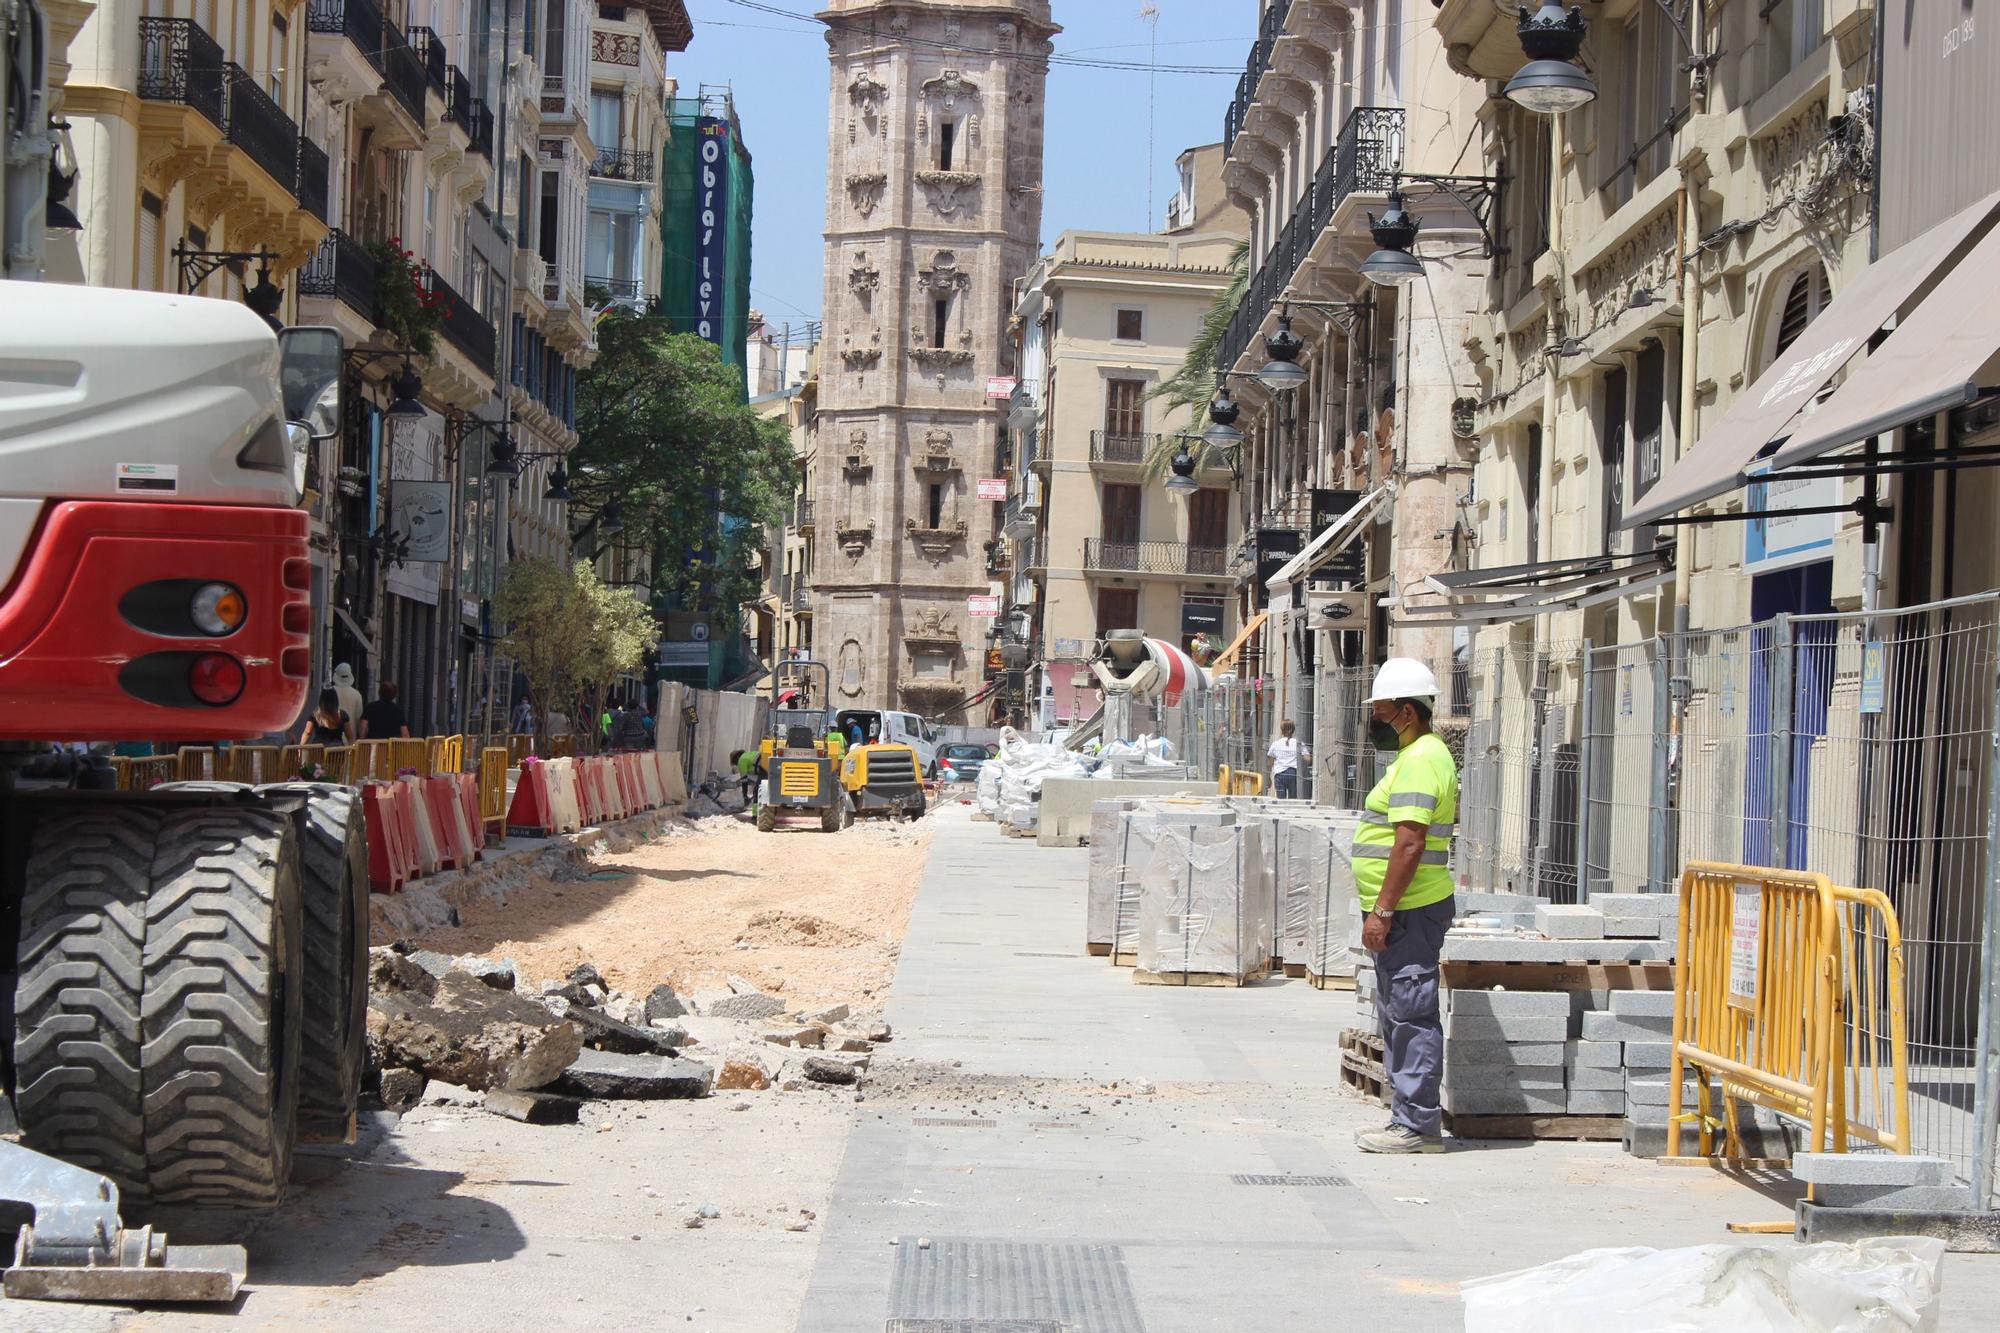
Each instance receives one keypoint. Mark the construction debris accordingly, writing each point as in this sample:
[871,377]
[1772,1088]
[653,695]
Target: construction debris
[467,1033]
[534,1108]
[604,1074]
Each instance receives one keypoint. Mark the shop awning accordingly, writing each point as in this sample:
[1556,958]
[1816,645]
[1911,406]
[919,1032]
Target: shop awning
[1719,460]
[1930,364]
[1536,589]
[1332,540]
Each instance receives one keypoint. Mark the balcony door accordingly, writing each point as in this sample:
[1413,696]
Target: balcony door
[1208,519]
[1120,514]
[1124,407]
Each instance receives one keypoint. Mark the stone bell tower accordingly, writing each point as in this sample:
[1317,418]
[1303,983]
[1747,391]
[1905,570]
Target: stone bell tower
[933,209]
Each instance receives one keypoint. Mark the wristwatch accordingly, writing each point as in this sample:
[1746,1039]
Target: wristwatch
[1386,913]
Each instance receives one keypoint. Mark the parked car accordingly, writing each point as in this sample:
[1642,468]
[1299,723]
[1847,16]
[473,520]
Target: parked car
[896,729]
[960,761]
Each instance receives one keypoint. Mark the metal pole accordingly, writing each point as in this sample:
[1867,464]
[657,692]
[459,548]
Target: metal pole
[1583,748]
[1660,838]
[1986,1090]
[1781,740]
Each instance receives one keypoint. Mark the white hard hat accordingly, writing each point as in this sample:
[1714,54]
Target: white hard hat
[1403,678]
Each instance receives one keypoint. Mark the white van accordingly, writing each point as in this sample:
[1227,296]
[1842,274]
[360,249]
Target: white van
[893,728]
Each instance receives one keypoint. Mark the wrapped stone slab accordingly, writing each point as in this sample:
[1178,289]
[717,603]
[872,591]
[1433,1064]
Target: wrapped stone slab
[1138,835]
[1108,835]
[1299,862]
[1197,923]
[1320,864]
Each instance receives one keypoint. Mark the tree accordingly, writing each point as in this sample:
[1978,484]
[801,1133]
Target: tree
[1194,383]
[662,426]
[571,636]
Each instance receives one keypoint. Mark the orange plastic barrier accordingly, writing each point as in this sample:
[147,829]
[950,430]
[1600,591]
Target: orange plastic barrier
[446,819]
[389,862]
[532,814]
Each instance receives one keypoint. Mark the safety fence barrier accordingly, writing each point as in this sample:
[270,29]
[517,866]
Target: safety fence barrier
[1788,996]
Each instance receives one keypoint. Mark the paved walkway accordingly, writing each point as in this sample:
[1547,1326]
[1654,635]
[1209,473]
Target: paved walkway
[1036,1181]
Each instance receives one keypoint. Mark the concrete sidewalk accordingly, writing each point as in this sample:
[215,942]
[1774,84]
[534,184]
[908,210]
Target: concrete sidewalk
[1054,1143]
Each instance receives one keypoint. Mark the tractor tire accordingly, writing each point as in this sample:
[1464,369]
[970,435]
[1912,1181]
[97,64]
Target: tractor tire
[333,886]
[78,1046]
[767,819]
[158,1007]
[224,1001]
[838,816]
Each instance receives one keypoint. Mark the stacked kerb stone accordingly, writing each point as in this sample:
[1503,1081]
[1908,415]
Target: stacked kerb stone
[1503,1052]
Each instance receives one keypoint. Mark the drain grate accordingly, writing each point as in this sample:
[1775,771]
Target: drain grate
[950,1123]
[1302,1182]
[995,1286]
[970,944]
[1053,1124]
[976,1326]
[1019,954]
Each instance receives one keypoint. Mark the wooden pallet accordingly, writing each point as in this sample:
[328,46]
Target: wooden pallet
[1098,950]
[1146,978]
[1295,970]
[1580,1128]
[1319,982]
[1361,1067]
[1128,958]
[1557,976]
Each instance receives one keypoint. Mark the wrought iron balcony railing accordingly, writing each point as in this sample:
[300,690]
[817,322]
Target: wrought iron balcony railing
[360,21]
[311,189]
[341,270]
[1109,446]
[179,62]
[1254,66]
[460,107]
[802,515]
[430,53]
[614,165]
[465,328]
[619,289]
[260,127]
[403,72]
[1365,158]
[1154,558]
[481,129]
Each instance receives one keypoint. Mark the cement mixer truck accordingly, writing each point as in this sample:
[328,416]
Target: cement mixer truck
[1131,667]
[184,968]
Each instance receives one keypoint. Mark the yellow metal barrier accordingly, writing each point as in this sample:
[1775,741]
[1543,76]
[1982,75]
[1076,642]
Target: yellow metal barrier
[446,754]
[1230,782]
[413,752]
[197,764]
[562,747]
[371,760]
[292,759]
[519,747]
[343,765]
[493,790]
[255,764]
[1788,992]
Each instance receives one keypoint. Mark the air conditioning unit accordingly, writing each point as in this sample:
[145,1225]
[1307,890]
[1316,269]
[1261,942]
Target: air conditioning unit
[1342,611]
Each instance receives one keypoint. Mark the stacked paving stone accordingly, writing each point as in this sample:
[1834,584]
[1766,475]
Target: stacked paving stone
[1204,906]
[1880,1180]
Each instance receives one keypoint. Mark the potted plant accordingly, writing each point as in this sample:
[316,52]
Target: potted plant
[407,301]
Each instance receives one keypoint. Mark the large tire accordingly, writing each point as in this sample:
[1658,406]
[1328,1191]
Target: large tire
[224,998]
[767,818]
[157,1010]
[79,995]
[333,886]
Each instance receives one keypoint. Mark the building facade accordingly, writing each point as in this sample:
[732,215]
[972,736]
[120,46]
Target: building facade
[1110,316]
[933,209]
[709,196]
[629,92]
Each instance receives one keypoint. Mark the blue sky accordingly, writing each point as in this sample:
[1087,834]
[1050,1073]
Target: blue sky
[1096,156]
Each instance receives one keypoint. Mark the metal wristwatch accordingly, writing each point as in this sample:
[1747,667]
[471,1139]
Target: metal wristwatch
[1386,913]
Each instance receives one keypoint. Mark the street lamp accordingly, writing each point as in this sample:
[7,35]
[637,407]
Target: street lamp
[406,386]
[1182,483]
[1551,82]
[559,484]
[1392,264]
[612,518]
[1222,414]
[1282,372]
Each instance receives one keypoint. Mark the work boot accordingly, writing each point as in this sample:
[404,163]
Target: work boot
[1397,1138]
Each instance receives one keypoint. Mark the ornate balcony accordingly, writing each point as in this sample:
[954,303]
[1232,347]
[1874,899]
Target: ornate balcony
[1363,160]
[614,165]
[260,127]
[1118,447]
[429,48]
[802,516]
[180,64]
[1259,60]
[1109,557]
[344,48]
[312,180]
[465,328]
[404,71]
[337,286]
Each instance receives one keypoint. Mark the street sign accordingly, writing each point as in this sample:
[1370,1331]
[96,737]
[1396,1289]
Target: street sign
[1000,386]
[1347,565]
[683,654]
[982,607]
[1874,675]
[992,488]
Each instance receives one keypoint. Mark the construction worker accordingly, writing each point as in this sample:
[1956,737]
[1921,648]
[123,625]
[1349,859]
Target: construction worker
[1402,876]
[836,745]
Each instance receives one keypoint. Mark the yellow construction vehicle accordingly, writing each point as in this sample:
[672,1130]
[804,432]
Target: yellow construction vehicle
[803,786]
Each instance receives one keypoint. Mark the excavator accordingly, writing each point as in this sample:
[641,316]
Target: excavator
[184,967]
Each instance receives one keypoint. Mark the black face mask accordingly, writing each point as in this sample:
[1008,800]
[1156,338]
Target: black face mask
[1383,735]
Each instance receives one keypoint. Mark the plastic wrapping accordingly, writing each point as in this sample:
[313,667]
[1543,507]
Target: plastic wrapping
[1869,1286]
[1322,910]
[1107,861]
[987,791]
[1203,908]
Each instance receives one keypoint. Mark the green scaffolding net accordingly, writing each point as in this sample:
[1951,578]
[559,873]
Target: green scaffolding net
[682,224]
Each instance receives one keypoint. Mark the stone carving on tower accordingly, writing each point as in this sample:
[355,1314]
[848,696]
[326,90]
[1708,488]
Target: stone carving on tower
[934,154]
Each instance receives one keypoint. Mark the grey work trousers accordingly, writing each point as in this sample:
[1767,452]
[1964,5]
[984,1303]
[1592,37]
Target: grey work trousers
[1406,997]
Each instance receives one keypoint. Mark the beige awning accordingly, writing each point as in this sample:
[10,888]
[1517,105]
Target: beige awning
[1930,364]
[1719,460]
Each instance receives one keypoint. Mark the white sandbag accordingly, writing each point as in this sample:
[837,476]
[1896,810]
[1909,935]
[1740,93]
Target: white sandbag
[1880,1285]
[1194,913]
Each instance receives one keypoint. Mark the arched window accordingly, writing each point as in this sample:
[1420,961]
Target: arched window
[1805,297]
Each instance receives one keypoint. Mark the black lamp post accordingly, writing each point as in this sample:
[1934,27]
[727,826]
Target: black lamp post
[1392,264]
[1551,82]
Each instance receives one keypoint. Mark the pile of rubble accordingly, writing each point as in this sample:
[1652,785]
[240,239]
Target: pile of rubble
[536,1053]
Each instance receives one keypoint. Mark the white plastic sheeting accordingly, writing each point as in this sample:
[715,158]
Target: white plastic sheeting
[1018,772]
[1109,836]
[1203,904]
[1322,910]
[1871,1286]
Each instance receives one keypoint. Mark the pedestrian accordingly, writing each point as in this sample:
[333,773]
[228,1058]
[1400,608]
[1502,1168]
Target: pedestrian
[558,722]
[628,729]
[1402,876]
[646,716]
[383,720]
[343,685]
[857,733]
[1285,753]
[524,717]
[329,724]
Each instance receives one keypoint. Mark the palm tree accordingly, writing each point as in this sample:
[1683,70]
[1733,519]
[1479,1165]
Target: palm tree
[1194,383]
